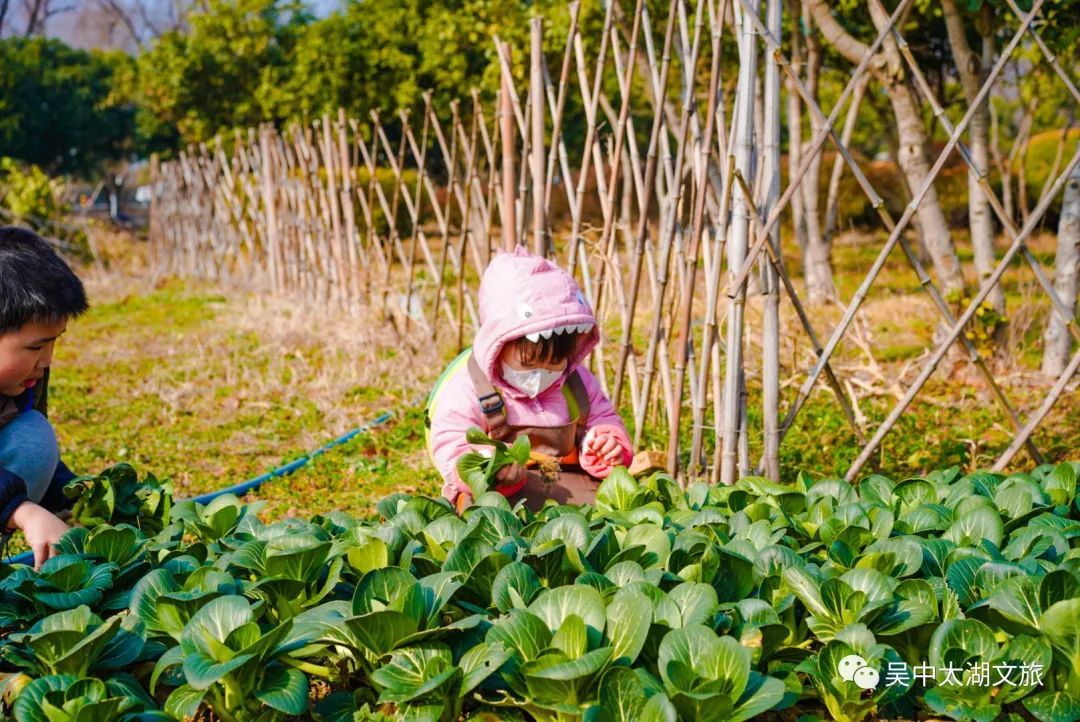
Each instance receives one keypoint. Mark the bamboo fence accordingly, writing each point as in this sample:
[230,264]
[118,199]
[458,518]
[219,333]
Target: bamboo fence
[673,238]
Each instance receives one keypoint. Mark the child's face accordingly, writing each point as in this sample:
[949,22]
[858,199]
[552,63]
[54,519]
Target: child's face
[25,354]
[512,358]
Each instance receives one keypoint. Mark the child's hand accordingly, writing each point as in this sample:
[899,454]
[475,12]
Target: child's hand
[510,474]
[606,447]
[42,529]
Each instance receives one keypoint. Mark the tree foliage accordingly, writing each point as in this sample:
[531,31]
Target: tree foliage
[230,70]
[252,61]
[235,64]
[58,108]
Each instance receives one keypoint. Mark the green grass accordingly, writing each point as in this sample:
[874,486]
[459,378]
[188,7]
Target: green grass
[177,381]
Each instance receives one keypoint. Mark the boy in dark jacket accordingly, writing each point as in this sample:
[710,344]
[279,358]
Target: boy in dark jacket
[38,294]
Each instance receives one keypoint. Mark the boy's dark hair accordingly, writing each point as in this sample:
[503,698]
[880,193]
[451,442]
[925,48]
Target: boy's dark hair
[36,285]
[558,348]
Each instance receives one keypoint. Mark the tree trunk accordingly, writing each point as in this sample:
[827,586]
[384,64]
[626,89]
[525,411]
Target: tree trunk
[1066,266]
[915,164]
[911,131]
[973,70]
[820,288]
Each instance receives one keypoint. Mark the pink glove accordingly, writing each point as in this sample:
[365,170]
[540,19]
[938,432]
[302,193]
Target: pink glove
[603,448]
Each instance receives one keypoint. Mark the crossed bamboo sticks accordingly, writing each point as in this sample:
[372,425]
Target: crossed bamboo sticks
[397,217]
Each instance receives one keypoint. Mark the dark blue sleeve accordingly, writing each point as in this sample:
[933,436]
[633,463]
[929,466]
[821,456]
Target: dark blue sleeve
[54,499]
[12,495]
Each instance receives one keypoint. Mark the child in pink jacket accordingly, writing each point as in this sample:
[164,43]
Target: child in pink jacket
[524,376]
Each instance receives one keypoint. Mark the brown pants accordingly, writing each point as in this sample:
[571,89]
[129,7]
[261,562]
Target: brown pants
[573,487]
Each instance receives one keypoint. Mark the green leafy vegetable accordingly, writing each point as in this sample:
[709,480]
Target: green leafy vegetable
[658,603]
[117,496]
[478,470]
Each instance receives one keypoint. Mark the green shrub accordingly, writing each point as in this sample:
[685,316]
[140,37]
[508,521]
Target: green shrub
[31,198]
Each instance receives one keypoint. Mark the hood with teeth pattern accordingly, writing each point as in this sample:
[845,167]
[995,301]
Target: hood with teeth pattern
[525,296]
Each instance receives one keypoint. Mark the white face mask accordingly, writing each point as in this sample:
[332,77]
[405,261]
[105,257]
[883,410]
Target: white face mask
[531,383]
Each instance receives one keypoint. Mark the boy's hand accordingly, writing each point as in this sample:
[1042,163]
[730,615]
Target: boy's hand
[605,447]
[41,528]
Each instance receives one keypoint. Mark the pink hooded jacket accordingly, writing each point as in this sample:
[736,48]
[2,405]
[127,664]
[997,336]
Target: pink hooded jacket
[522,294]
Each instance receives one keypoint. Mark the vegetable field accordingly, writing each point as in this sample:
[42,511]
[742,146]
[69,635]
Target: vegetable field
[832,254]
[951,596]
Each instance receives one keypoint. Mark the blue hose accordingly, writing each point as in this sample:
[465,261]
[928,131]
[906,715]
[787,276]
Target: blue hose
[251,484]
[244,487]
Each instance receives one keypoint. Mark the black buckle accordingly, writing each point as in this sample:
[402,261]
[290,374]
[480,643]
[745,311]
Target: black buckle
[488,407]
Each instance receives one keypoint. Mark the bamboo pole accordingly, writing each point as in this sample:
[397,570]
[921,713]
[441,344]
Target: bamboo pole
[718,411]
[982,179]
[737,246]
[824,132]
[643,218]
[1051,59]
[629,155]
[413,207]
[444,250]
[770,352]
[557,115]
[474,217]
[616,158]
[895,228]
[668,228]
[957,329]
[983,183]
[340,279]
[832,203]
[328,247]
[697,228]
[827,130]
[590,133]
[506,71]
[777,262]
[710,343]
[421,161]
[477,126]
[558,146]
[524,192]
[491,145]
[389,208]
[664,180]
[506,130]
[367,201]
[276,273]
[539,182]
[631,149]
[1040,414]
